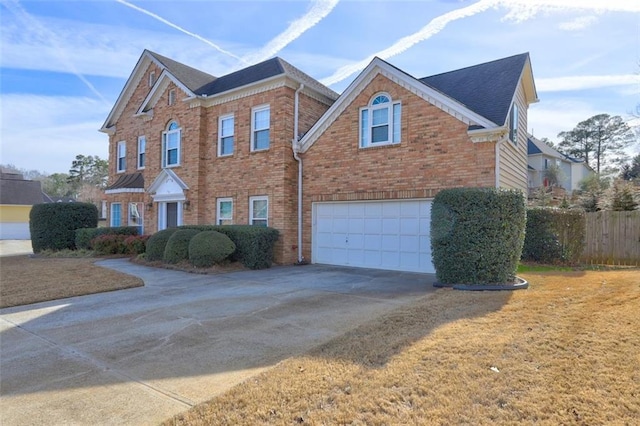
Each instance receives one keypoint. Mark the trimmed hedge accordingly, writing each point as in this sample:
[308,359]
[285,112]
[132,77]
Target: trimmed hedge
[53,225]
[157,243]
[254,244]
[85,235]
[119,244]
[208,248]
[477,235]
[177,248]
[554,235]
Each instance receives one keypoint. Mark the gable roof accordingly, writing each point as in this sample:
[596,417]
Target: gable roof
[16,190]
[488,88]
[536,146]
[197,83]
[192,78]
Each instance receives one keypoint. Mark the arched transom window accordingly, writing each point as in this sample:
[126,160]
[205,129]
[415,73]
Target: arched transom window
[380,121]
[171,145]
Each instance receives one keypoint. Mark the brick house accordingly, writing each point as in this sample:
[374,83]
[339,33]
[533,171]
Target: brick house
[363,172]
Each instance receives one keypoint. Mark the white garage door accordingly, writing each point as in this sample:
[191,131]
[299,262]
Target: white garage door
[379,234]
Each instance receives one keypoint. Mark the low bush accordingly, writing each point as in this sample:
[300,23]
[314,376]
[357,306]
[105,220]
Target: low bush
[136,244]
[109,244]
[157,243]
[554,235]
[85,235]
[208,248]
[477,235]
[177,248]
[53,225]
[254,244]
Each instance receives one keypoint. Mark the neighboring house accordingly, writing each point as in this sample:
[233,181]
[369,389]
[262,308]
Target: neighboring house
[17,196]
[541,156]
[189,148]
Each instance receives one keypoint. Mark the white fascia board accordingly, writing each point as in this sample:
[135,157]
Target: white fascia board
[378,66]
[123,190]
[495,134]
[159,86]
[162,176]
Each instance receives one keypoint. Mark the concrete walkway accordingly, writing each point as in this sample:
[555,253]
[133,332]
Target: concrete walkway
[141,355]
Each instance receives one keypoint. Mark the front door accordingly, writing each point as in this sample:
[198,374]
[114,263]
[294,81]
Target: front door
[172,215]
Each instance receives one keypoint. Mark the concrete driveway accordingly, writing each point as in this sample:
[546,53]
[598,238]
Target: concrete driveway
[141,355]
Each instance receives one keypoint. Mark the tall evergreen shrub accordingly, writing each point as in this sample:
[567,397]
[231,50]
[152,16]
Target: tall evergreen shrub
[53,225]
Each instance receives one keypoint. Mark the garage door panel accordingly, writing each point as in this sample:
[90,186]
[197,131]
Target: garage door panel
[390,234]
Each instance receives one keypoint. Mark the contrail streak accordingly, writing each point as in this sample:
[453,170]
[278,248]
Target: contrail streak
[318,12]
[179,28]
[519,11]
[45,34]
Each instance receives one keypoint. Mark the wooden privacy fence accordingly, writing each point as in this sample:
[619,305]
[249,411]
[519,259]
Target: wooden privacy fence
[612,238]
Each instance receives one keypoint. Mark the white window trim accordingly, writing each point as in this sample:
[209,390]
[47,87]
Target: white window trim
[254,110]
[218,214]
[172,97]
[165,136]
[141,139]
[122,144]
[111,223]
[258,198]
[103,209]
[513,123]
[391,122]
[233,134]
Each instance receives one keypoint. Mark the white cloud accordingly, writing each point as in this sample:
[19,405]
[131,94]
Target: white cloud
[318,12]
[522,10]
[578,23]
[559,84]
[46,133]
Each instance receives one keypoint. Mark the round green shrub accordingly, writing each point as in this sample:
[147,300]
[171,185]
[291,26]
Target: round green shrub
[477,235]
[53,225]
[208,248]
[157,243]
[177,248]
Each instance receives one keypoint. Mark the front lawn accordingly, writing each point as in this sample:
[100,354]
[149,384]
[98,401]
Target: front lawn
[25,279]
[565,351]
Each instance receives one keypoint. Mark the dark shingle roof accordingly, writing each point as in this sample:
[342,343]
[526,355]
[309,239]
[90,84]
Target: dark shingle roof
[252,74]
[486,89]
[14,189]
[532,148]
[128,181]
[192,78]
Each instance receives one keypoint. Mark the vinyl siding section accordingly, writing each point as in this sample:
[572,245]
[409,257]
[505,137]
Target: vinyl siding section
[513,158]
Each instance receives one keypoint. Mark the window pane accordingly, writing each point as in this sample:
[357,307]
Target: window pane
[396,123]
[261,119]
[260,209]
[172,157]
[380,116]
[141,160]
[227,127]
[259,222]
[364,128]
[115,215]
[380,134]
[173,126]
[226,147]
[380,100]
[173,140]
[226,209]
[261,139]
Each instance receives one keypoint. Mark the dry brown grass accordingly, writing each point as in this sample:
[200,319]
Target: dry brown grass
[566,351]
[25,280]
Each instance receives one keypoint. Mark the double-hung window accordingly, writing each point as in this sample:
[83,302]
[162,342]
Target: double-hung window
[259,211]
[142,148]
[513,124]
[116,214]
[224,214]
[121,154]
[260,120]
[225,135]
[171,145]
[380,122]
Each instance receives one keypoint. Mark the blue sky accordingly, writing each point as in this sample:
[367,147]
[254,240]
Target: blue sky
[64,63]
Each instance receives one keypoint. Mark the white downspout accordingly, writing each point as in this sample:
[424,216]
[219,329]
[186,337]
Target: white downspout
[295,147]
[498,146]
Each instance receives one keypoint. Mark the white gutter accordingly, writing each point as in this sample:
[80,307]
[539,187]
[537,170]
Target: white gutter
[295,147]
[498,146]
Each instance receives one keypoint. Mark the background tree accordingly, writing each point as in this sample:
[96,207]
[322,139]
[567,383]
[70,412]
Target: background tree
[631,170]
[591,191]
[599,140]
[554,175]
[621,196]
[57,185]
[88,170]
